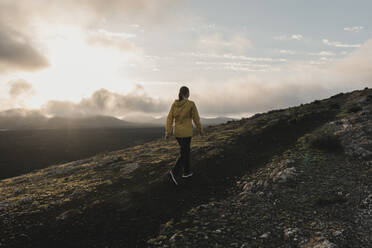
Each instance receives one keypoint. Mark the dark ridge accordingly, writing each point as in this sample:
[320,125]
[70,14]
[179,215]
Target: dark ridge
[37,149]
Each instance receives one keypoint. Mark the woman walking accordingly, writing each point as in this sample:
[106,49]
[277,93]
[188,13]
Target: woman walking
[183,111]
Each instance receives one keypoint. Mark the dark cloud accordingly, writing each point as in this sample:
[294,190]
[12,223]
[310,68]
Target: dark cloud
[100,6]
[17,47]
[132,10]
[20,87]
[87,12]
[104,102]
[17,52]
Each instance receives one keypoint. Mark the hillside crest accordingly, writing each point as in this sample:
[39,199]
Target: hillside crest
[294,177]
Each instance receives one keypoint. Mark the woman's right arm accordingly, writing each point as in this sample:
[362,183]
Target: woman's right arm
[169,121]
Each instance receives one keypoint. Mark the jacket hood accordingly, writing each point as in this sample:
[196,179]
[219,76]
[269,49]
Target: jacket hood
[181,103]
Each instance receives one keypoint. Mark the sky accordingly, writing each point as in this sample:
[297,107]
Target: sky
[128,58]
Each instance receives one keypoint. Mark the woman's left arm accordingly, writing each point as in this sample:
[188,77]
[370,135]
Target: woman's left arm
[196,118]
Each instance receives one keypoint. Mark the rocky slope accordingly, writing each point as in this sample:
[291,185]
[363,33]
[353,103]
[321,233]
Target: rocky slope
[296,177]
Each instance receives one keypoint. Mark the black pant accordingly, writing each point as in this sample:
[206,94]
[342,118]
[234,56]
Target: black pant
[183,160]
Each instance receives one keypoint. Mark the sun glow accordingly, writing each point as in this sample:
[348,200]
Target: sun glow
[77,69]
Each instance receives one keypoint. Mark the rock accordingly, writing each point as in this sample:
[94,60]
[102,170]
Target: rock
[265,235]
[152,241]
[25,200]
[336,233]
[61,170]
[325,244]
[260,193]
[162,237]
[259,183]
[367,201]
[20,190]
[284,175]
[24,236]
[69,214]
[288,161]
[248,186]
[96,202]
[3,205]
[118,159]
[291,233]
[355,135]
[128,168]
[173,238]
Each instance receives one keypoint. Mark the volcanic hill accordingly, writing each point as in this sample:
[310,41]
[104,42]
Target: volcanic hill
[294,177]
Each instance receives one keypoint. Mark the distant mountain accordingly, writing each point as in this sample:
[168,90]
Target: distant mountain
[216,120]
[22,119]
[162,120]
[87,122]
[33,119]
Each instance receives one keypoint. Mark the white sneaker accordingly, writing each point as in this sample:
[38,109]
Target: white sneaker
[187,175]
[173,177]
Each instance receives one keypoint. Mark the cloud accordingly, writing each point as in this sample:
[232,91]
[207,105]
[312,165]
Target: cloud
[88,12]
[321,61]
[339,44]
[18,52]
[25,24]
[18,48]
[104,102]
[287,52]
[249,95]
[19,92]
[233,57]
[290,37]
[118,7]
[20,87]
[357,66]
[235,66]
[121,35]
[295,83]
[134,26]
[217,43]
[354,29]
[297,37]
[120,41]
[323,53]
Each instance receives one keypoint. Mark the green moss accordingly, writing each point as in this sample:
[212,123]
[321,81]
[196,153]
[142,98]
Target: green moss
[354,109]
[325,140]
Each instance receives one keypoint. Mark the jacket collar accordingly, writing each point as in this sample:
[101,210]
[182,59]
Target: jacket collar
[182,102]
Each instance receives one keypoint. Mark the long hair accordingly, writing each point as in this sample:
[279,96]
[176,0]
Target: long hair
[183,91]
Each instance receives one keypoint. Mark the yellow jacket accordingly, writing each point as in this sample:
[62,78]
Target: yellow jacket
[183,112]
